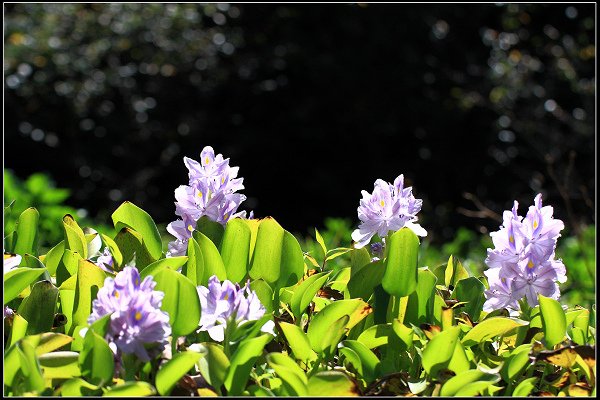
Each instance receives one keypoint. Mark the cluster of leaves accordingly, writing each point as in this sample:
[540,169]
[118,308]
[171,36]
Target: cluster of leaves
[359,327]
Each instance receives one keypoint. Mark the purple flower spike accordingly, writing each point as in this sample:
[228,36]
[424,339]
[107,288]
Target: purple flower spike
[211,192]
[137,324]
[522,262]
[389,208]
[225,303]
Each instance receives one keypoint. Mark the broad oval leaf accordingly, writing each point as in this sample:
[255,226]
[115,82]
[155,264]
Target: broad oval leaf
[305,291]
[332,383]
[74,236]
[400,277]
[96,359]
[235,249]
[60,364]
[131,389]
[131,216]
[293,378]
[362,283]
[439,351]
[172,371]
[25,237]
[213,263]
[376,335]
[369,363]
[554,322]
[525,387]
[490,328]
[18,279]
[242,362]
[298,342]
[181,301]
[214,365]
[170,262]
[90,278]
[39,307]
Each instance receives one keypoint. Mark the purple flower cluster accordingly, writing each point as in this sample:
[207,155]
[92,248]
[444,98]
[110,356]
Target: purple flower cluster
[522,262]
[225,303]
[389,208]
[211,192]
[136,319]
[105,260]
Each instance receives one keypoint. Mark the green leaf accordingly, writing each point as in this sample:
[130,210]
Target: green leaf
[420,303]
[554,322]
[131,243]
[369,363]
[459,361]
[60,365]
[19,329]
[30,367]
[298,342]
[332,383]
[96,359]
[68,266]
[490,328]
[12,363]
[277,257]
[181,301]
[321,242]
[39,307]
[214,365]
[516,362]
[211,229]
[90,278]
[264,293]
[400,277]
[25,237]
[375,336]
[171,372]
[213,263]
[362,283]
[454,272]
[242,362]
[305,291]
[470,290]
[54,257]
[439,350]
[293,378]
[525,387]
[131,216]
[77,387]
[131,389]
[321,323]
[18,279]
[51,341]
[358,259]
[458,384]
[235,249]
[74,236]
[172,263]
[114,250]
[328,343]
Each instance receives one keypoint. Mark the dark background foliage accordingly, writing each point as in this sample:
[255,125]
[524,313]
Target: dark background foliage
[313,102]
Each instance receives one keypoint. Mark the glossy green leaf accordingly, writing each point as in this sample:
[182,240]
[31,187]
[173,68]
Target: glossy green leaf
[321,242]
[376,335]
[298,342]
[30,367]
[242,362]
[18,279]
[332,384]
[68,266]
[356,309]
[335,253]
[74,236]
[490,328]
[305,291]
[459,362]
[50,341]
[420,303]
[293,378]
[358,259]
[369,363]
[114,250]
[130,244]
[454,272]
[214,365]
[470,290]
[90,278]
[131,216]
[18,330]
[181,301]
[213,263]
[60,365]
[39,307]
[235,249]
[516,362]
[362,283]
[400,277]
[457,383]
[25,237]
[439,350]
[96,359]
[77,387]
[173,370]
[554,322]
[131,389]
[172,263]
[12,363]
[264,293]
[211,229]
[525,387]
[54,257]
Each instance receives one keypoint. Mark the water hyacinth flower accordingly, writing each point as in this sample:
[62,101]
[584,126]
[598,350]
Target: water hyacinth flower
[11,261]
[211,192]
[226,303]
[389,208]
[137,324]
[105,260]
[522,263]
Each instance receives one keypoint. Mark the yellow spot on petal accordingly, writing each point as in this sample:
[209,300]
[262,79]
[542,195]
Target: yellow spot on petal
[200,194]
[116,294]
[530,264]
[138,316]
[190,228]
[503,280]
[535,224]
[137,281]
[382,203]
[226,216]
[223,180]
[511,239]
[206,160]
